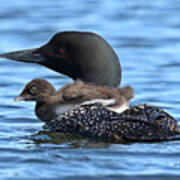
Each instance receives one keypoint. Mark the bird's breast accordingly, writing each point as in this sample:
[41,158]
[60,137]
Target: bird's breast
[63,108]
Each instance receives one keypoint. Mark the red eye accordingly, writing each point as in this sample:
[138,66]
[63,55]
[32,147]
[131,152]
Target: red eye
[62,50]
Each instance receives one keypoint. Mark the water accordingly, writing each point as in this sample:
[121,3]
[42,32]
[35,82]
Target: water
[146,37]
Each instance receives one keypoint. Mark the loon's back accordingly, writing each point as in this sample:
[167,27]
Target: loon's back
[139,123]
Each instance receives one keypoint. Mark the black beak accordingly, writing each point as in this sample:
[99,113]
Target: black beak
[28,56]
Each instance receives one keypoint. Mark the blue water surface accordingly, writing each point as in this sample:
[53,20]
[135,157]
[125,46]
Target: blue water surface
[145,35]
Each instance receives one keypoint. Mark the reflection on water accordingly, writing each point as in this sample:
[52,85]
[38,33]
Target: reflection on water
[145,35]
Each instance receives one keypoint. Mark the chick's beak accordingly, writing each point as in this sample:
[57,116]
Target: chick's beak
[19,98]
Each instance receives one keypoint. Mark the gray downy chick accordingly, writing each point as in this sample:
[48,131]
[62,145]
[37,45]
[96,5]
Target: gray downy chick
[51,103]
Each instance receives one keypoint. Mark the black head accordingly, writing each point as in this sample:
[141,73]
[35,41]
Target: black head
[80,55]
[36,90]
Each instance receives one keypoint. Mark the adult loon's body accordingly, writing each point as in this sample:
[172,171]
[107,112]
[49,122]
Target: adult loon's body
[90,58]
[139,123]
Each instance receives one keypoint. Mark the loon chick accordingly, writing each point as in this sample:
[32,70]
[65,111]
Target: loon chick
[139,123]
[79,55]
[51,104]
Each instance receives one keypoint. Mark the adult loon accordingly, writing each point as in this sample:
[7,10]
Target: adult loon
[51,103]
[86,56]
[79,55]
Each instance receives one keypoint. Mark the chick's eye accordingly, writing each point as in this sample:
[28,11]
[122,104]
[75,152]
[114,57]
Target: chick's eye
[62,50]
[33,90]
